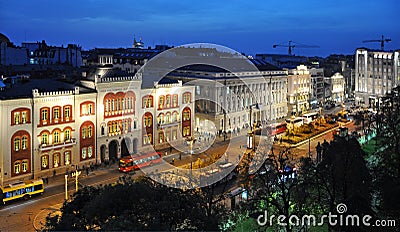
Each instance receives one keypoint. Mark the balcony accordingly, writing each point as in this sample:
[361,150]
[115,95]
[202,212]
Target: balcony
[48,147]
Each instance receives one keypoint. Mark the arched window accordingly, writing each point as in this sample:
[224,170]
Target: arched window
[83,132]
[17,167]
[89,131]
[83,154]
[56,137]
[24,142]
[67,135]
[45,138]
[67,157]
[45,161]
[24,165]
[56,159]
[17,144]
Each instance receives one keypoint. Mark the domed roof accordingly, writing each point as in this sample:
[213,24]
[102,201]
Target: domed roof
[4,38]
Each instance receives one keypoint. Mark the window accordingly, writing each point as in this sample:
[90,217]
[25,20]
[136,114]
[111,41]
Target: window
[56,113]
[161,102]
[90,109]
[17,144]
[83,132]
[147,102]
[45,114]
[186,115]
[24,117]
[56,137]
[90,152]
[56,160]
[24,165]
[175,100]
[45,161]
[67,157]
[147,139]
[161,136]
[174,116]
[45,138]
[16,117]
[17,167]
[83,153]
[67,135]
[186,131]
[67,112]
[186,98]
[24,142]
[89,131]
[168,101]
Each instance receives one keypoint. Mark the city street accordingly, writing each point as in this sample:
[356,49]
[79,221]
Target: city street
[28,215]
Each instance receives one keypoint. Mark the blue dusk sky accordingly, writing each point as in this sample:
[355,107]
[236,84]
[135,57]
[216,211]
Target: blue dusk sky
[250,27]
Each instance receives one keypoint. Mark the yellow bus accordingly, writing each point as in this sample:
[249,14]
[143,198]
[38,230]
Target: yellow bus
[23,189]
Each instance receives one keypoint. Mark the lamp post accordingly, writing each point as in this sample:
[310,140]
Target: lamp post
[66,187]
[251,139]
[76,175]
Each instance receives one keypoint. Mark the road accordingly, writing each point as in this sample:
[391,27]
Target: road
[28,215]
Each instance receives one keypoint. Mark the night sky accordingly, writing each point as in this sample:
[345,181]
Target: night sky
[251,27]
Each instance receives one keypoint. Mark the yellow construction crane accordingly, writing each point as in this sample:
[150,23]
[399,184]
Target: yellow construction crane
[382,41]
[292,45]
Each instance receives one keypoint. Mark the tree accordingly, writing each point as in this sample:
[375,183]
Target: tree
[136,205]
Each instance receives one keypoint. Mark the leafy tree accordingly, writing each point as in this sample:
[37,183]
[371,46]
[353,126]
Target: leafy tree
[137,205]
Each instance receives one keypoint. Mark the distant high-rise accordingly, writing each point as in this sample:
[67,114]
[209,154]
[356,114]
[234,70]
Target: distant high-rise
[376,73]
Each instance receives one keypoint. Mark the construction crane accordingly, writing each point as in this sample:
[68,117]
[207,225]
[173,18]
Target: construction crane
[382,41]
[292,45]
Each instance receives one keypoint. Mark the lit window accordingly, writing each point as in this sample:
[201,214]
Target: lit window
[83,132]
[17,144]
[175,100]
[67,157]
[24,142]
[89,131]
[16,118]
[56,159]
[45,138]
[45,114]
[56,113]
[45,161]
[90,152]
[84,109]
[67,112]
[24,165]
[17,167]
[168,101]
[56,137]
[161,102]
[67,135]
[24,117]
[90,109]
[84,153]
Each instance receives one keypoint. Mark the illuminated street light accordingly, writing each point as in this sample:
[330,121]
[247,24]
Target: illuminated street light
[66,187]
[76,175]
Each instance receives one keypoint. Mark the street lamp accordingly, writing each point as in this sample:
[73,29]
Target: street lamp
[66,187]
[76,175]
[251,139]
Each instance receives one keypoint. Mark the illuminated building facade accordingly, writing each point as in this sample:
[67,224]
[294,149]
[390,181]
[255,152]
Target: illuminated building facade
[376,73]
[51,127]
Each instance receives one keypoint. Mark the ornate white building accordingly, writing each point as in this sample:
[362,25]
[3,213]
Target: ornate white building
[224,99]
[51,127]
[299,89]
[376,73]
